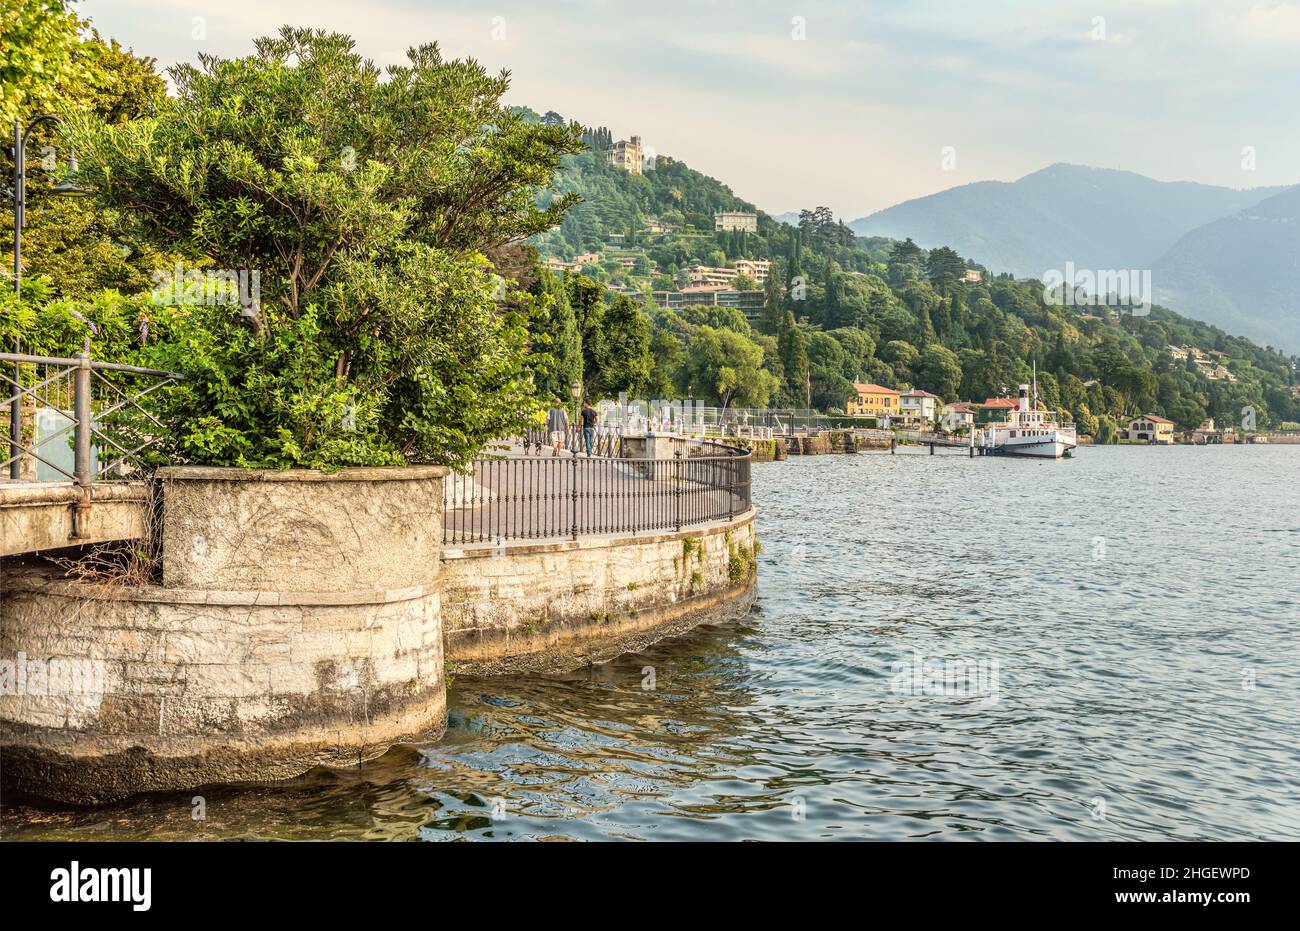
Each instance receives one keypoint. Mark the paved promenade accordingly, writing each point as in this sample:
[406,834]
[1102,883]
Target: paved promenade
[532,497]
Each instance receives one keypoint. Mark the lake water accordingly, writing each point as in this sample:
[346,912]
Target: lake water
[1128,628]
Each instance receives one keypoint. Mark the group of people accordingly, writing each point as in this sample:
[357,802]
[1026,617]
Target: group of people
[557,424]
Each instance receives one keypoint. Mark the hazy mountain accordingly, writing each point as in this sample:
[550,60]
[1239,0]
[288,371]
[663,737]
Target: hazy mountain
[1241,272]
[790,216]
[1098,218]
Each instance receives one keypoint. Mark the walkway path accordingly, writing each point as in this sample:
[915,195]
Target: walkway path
[533,497]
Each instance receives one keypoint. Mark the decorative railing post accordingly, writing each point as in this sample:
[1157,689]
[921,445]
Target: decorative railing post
[82,470]
[731,487]
[677,489]
[16,425]
[574,483]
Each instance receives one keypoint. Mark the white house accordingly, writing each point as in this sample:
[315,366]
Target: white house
[957,416]
[916,406]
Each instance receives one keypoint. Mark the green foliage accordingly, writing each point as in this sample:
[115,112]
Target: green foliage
[939,371]
[625,363]
[39,52]
[555,355]
[725,368]
[430,383]
[667,353]
[944,268]
[792,345]
[591,335]
[78,248]
[110,325]
[382,334]
[742,563]
[614,201]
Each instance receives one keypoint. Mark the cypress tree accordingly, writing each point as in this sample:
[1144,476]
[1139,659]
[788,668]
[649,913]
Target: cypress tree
[793,349]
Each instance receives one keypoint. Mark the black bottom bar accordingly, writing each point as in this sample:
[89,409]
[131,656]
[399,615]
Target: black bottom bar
[921,881]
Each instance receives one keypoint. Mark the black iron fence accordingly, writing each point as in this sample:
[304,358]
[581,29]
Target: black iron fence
[605,441]
[540,497]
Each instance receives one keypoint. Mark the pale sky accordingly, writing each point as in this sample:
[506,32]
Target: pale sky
[856,114]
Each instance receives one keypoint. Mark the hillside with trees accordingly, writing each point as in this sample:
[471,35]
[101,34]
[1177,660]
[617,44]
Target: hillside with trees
[404,314]
[841,309]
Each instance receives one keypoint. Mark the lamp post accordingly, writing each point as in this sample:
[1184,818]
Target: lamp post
[575,390]
[19,194]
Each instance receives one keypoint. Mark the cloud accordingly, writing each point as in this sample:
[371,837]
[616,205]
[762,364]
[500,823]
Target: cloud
[1272,23]
[856,114]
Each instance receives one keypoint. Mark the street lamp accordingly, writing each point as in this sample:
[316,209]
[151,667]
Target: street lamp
[575,390]
[19,194]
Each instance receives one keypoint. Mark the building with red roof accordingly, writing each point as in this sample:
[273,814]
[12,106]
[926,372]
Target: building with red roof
[873,401]
[994,410]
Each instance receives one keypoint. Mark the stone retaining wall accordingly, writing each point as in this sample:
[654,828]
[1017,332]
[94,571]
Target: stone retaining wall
[289,630]
[306,618]
[773,450]
[196,687]
[562,604]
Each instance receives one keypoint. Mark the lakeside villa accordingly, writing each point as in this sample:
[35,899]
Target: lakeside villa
[1151,428]
[874,401]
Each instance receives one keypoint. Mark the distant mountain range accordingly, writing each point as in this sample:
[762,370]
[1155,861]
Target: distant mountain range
[1225,256]
[1240,272]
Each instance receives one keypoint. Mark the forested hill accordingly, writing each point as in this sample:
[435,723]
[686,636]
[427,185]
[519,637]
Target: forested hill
[841,309]
[616,202]
[618,207]
[1223,255]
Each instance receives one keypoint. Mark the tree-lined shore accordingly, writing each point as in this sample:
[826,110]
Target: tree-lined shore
[841,309]
[346,264]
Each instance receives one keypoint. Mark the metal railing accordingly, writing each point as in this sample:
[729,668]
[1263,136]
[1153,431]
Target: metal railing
[607,441]
[548,497]
[77,420]
[753,423]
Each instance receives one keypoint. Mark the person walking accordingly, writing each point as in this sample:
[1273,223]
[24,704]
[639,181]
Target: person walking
[557,422]
[589,420]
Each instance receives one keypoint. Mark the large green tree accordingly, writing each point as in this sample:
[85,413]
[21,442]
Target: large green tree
[725,367]
[40,51]
[939,372]
[556,344]
[367,203]
[74,243]
[625,362]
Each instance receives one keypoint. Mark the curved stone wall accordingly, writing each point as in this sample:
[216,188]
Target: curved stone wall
[562,604]
[308,619]
[234,668]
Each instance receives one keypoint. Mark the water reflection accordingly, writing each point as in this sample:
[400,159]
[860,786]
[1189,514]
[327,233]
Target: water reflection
[1147,688]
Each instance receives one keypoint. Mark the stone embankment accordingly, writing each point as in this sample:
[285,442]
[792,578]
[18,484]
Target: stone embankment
[299,618]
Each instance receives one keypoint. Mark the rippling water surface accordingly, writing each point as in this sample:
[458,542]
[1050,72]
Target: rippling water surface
[1132,616]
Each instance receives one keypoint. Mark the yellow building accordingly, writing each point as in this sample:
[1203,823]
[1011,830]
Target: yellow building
[1151,428]
[873,401]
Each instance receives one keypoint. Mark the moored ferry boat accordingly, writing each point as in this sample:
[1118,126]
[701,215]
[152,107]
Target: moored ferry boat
[1027,431]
